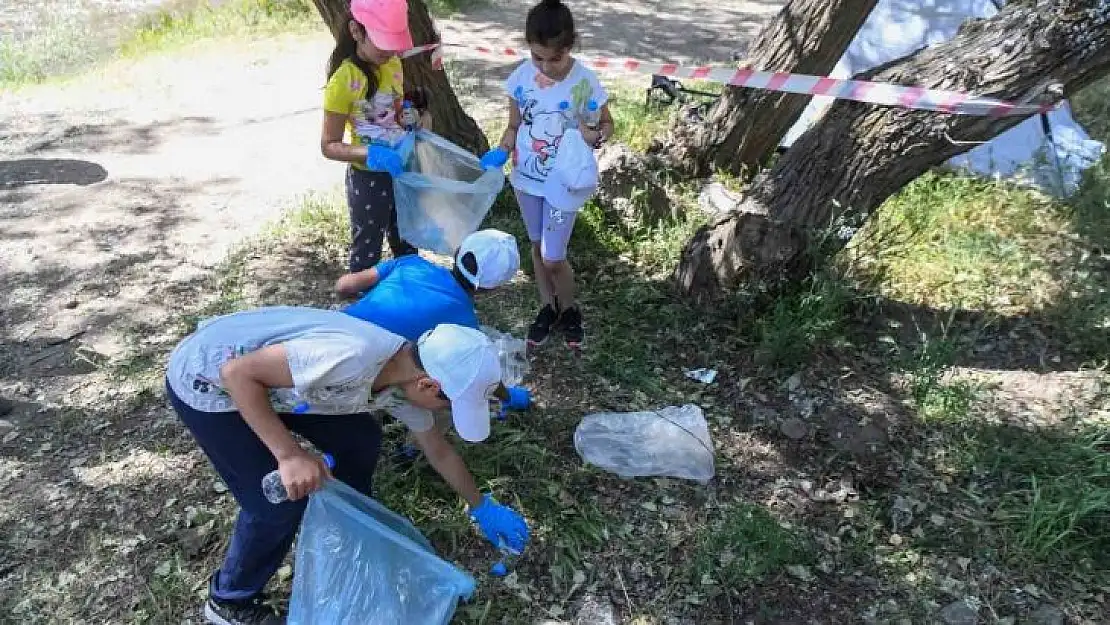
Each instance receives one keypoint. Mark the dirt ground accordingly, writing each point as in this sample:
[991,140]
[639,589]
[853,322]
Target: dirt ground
[122,191]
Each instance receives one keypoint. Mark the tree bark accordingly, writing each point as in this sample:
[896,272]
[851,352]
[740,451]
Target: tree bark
[449,118]
[858,155]
[744,127]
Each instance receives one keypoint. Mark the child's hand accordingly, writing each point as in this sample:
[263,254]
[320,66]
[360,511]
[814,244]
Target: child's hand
[381,158]
[494,159]
[302,474]
[500,524]
[348,285]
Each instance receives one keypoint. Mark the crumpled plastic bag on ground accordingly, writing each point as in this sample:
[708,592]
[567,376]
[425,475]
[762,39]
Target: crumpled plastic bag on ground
[443,194]
[359,563]
[670,442]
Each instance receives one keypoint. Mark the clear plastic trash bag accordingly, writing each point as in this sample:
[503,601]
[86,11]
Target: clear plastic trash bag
[359,563]
[443,194]
[670,442]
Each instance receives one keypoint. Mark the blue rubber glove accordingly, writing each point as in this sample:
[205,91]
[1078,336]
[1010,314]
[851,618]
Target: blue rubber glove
[501,525]
[381,158]
[494,159]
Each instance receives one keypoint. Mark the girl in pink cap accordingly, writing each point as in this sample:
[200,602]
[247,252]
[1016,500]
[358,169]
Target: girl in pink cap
[363,97]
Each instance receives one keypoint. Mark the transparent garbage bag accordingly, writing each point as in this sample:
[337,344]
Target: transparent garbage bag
[670,442]
[359,563]
[443,194]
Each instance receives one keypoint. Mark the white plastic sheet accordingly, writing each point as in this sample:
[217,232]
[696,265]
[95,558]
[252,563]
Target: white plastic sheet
[1024,154]
[671,442]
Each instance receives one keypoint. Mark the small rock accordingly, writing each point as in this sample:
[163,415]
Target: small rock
[595,612]
[959,613]
[1046,615]
[715,199]
[800,572]
[794,429]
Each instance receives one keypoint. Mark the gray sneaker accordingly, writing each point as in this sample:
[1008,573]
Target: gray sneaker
[249,612]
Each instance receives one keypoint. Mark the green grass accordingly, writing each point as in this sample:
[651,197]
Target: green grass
[747,545]
[937,395]
[249,19]
[802,320]
[1053,507]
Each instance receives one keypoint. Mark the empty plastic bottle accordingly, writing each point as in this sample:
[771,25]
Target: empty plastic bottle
[409,117]
[569,120]
[592,116]
[274,490]
[507,561]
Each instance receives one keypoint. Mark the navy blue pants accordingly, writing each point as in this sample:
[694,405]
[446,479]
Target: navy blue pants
[264,531]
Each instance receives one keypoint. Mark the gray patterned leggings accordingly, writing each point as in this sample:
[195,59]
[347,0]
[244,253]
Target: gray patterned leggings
[373,218]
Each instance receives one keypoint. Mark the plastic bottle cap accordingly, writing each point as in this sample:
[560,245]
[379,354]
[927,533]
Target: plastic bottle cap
[499,569]
[329,460]
[592,106]
[564,105]
[300,408]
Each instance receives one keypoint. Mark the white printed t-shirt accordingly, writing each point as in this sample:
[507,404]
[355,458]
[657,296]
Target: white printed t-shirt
[333,357]
[542,125]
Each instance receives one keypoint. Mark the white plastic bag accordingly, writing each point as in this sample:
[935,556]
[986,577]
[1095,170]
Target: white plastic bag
[443,194]
[673,442]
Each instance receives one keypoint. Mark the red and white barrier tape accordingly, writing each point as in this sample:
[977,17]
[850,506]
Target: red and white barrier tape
[885,94]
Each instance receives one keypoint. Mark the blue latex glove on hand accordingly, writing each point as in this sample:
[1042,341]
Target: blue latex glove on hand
[494,159]
[381,158]
[500,524]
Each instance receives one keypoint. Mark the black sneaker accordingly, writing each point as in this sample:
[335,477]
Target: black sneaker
[249,612]
[541,327]
[570,322]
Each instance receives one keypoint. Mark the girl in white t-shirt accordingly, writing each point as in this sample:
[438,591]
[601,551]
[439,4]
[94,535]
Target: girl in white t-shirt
[547,94]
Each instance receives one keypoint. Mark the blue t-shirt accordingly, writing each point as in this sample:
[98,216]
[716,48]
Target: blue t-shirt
[413,296]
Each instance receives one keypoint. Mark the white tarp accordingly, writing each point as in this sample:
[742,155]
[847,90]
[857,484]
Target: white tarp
[1024,153]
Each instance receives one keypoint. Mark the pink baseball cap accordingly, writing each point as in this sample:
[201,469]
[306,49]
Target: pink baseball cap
[386,22]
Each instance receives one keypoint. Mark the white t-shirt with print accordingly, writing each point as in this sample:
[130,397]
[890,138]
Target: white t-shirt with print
[333,357]
[539,99]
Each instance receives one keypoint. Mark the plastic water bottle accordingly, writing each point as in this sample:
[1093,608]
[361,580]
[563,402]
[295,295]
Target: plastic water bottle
[569,120]
[507,562]
[513,354]
[592,117]
[274,490]
[409,117]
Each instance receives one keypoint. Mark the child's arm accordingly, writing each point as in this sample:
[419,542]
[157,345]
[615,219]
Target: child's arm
[355,283]
[604,128]
[331,141]
[450,466]
[248,379]
[508,138]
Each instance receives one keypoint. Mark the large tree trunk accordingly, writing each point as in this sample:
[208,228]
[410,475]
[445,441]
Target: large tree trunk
[858,155]
[744,127]
[450,120]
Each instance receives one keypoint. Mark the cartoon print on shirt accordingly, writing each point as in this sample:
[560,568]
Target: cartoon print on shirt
[376,119]
[545,127]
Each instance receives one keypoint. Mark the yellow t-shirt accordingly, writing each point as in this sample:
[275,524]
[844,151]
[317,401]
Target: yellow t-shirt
[345,94]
